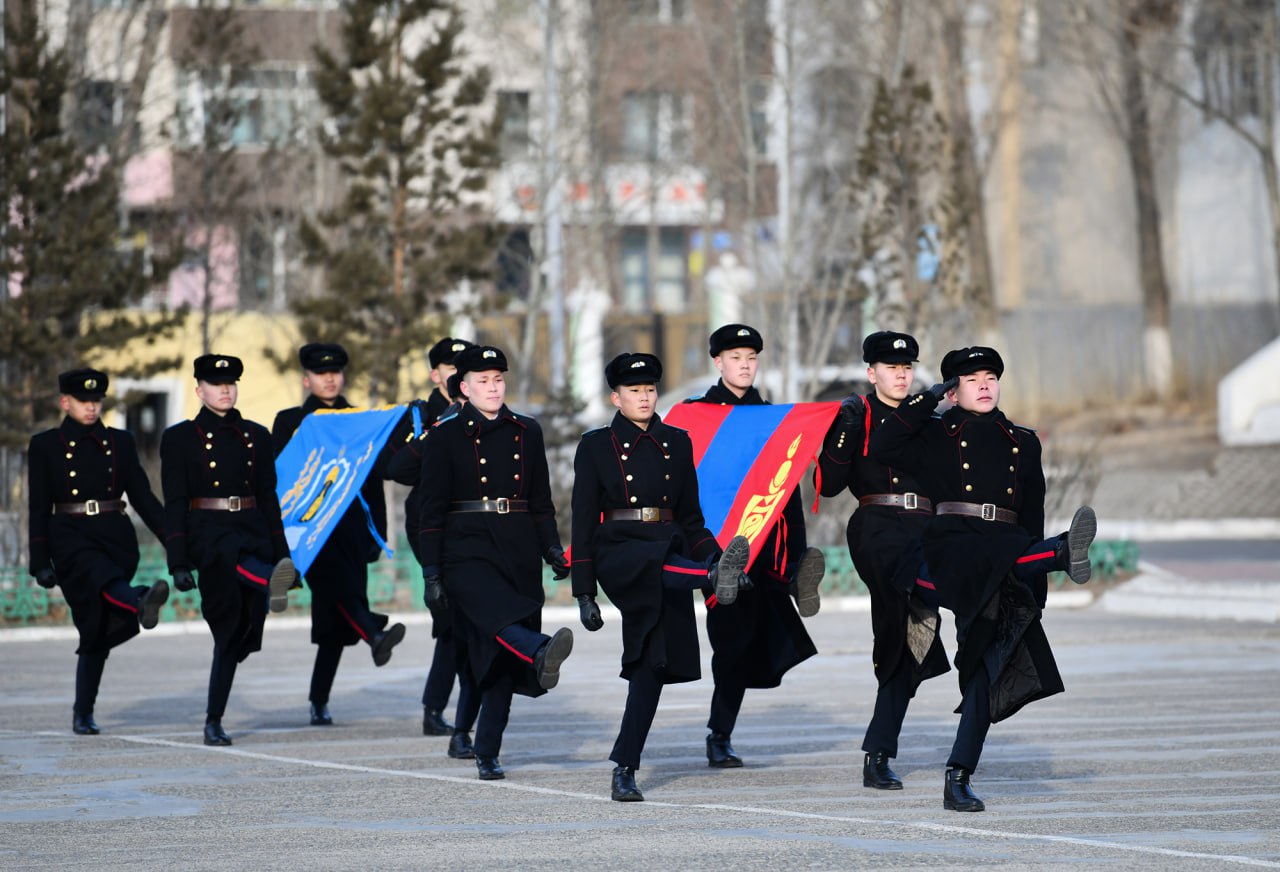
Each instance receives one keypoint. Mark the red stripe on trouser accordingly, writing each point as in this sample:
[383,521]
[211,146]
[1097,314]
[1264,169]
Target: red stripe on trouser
[1032,558]
[926,584]
[525,657]
[116,602]
[681,570]
[351,621]
[256,579]
[711,601]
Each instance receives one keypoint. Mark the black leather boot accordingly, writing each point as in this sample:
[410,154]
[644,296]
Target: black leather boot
[83,725]
[489,768]
[460,747]
[554,651]
[434,724]
[813,566]
[1073,548]
[876,772]
[214,734]
[956,794]
[381,643]
[320,716]
[624,785]
[720,753]
[728,576]
[155,597]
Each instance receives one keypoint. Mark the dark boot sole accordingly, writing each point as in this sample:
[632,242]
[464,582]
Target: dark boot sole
[881,785]
[813,567]
[733,562]
[382,653]
[558,650]
[282,577]
[627,797]
[952,806]
[1084,526]
[154,598]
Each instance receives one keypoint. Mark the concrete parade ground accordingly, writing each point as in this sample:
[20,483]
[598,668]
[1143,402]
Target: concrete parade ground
[1164,753]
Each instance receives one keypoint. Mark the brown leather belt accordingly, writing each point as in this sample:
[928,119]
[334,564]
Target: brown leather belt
[647,515]
[985,511]
[501,505]
[89,507]
[907,501]
[223,504]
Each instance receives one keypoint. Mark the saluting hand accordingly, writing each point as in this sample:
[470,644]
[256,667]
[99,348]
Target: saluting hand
[558,563]
[47,578]
[940,390]
[589,612]
[183,580]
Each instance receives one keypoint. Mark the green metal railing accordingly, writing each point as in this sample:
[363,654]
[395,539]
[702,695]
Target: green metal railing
[395,584]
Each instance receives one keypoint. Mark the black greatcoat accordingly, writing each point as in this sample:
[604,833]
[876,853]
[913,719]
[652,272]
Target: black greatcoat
[491,563]
[967,457]
[339,571]
[761,636]
[405,463]
[620,467]
[222,456]
[74,464]
[884,541]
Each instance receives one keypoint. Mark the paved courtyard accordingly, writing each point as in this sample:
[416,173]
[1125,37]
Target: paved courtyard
[1164,753]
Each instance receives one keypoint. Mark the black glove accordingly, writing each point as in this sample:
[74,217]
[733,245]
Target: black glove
[852,409]
[589,612]
[559,565]
[46,578]
[433,592]
[182,580]
[940,390]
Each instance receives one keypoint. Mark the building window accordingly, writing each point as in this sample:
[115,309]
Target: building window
[655,126]
[1233,57]
[146,418]
[657,10]
[99,111]
[513,119]
[248,107]
[654,284]
[514,275]
[758,95]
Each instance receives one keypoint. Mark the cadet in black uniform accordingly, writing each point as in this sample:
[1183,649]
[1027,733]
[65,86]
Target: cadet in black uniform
[405,467]
[884,542]
[339,575]
[985,548]
[222,519]
[487,524]
[762,636]
[79,535]
[638,530]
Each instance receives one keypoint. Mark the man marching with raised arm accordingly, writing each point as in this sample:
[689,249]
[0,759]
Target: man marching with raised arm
[339,575]
[884,542]
[985,547]
[638,530]
[762,636]
[487,524]
[222,519]
[81,538]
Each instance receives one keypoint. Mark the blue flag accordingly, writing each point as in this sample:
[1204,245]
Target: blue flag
[321,470]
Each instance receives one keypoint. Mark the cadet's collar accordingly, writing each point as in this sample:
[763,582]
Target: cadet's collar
[476,422]
[956,419]
[626,429]
[312,403]
[207,419]
[74,427]
[719,393]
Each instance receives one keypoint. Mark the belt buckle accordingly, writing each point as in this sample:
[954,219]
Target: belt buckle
[233,504]
[504,505]
[909,501]
[649,514]
[988,511]
[91,507]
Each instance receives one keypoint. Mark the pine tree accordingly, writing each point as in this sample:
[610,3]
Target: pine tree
[66,282]
[407,130]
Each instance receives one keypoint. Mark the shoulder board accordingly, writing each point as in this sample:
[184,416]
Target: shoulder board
[1024,429]
[697,398]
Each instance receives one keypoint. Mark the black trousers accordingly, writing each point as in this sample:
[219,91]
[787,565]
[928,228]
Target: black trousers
[975,721]
[726,702]
[495,711]
[323,673]
[88,676]
[890,711]
[444,666]
[252,573]
[469,697]
[643,692]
